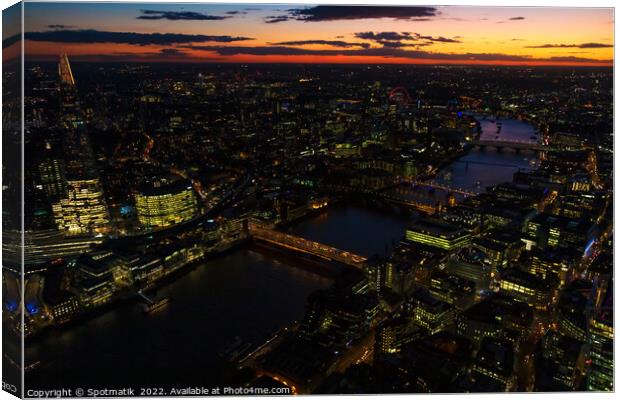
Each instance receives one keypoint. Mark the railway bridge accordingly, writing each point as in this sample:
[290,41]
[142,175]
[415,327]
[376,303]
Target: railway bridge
[296,243]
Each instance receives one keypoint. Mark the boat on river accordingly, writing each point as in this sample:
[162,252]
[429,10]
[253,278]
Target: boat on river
[156,305]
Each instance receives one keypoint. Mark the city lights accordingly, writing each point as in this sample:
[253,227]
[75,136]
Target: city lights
[307,199]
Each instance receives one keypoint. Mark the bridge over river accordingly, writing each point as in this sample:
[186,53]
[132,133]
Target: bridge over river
[299,244]
[513,144]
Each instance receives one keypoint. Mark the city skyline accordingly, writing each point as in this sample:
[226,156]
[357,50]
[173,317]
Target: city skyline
[281,226]
[319,34]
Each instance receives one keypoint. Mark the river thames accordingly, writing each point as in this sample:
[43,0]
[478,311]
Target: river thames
[485,167]
[246,293]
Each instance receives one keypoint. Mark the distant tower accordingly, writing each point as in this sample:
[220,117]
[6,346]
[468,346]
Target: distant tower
[64,70]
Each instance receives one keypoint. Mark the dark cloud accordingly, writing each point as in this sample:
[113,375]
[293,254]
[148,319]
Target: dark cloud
[594,45]
[395,44]
[439,39]
[577,46]
[11,40]
[379,52]
[332,13]
[393,40]
[376,36]
[142,39]
[574,59]
[383,37]
[235,12]
[172,52]
[335,43]
[511,19]
[179,16]
[151,56]
[265,50]
[392,43]
[516,40]
[335,13]
[272,19]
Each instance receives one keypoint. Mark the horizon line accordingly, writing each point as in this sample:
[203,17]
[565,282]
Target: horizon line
[541,64]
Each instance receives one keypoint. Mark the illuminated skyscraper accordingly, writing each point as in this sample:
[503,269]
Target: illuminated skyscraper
[601,340]
[83,209]
[161,205]
[51,177]
[64,70]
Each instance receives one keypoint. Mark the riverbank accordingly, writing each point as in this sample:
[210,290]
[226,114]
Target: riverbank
[130,295]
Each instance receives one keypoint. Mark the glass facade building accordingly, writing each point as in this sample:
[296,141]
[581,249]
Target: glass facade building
[165,205]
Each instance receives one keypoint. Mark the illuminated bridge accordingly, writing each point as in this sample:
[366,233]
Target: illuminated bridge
[406,194]
[300,244]
[411,204]
[446,188]
[512,144]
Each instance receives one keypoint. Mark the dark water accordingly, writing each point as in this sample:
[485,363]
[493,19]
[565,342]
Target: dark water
[481,168]
[485,167]
[362,230]
[511,129]
[244,294]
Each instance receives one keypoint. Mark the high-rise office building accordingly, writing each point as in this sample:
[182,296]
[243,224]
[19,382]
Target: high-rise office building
[561,362]
[164,204]
[601,340]
[431,313]
[437,234]
[51,176]
[83,210]
[526,287]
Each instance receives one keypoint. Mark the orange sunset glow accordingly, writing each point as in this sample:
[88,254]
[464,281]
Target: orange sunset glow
[320,34]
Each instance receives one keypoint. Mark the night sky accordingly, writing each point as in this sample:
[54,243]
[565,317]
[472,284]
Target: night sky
[307,33]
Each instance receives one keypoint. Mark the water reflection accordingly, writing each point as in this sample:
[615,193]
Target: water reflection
[489,166]
[362,230]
